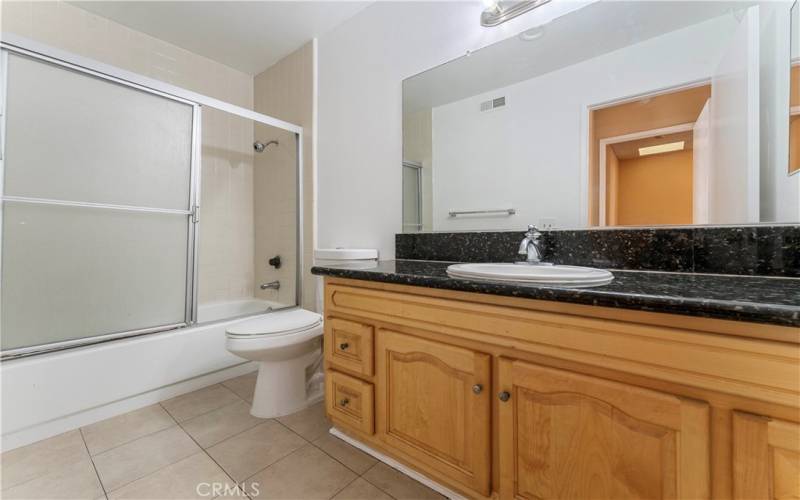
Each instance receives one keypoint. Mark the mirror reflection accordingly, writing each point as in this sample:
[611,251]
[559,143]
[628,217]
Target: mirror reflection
[794,95]
[615,114]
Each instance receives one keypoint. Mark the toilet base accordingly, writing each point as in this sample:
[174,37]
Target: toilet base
[281,386]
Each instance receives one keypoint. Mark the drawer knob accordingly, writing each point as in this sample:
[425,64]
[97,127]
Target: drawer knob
[344,402]
[504,396]
[343,346]
[477,388]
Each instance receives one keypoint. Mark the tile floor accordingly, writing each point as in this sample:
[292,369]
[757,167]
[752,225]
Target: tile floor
[183,447]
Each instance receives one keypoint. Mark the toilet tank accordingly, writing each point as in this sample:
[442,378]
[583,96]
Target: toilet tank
[353,258]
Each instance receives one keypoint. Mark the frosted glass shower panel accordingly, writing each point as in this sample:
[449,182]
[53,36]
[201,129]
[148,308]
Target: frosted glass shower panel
[97,222]
[72,136]
[74,272]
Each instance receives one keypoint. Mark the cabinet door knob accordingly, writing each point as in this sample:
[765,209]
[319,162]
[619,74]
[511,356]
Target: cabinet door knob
[477,388]
[504,396]
[344,402]
[343,346]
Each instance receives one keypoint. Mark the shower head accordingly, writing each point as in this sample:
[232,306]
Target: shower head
[260,146]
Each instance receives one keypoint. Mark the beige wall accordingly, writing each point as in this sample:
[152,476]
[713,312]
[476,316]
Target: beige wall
[285,91]
[226,236]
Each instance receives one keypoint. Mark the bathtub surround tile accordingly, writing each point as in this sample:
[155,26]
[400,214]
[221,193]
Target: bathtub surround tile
[350,456]
[397,484]
[292,476]
[77,480]
[116,431]
[39,459]
[132,461]
[310,423]
[760,250]
[244,386]
[251,451]
[196,403]
[361,490]
[178,480]
[210,428]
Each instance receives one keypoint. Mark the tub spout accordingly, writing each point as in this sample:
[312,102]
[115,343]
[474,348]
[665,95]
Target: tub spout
[275,285]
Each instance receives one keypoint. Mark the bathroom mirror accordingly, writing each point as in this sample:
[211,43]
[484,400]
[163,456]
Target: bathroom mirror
[619,113]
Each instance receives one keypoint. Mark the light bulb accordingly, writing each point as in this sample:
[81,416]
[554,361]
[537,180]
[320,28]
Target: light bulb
[490,4]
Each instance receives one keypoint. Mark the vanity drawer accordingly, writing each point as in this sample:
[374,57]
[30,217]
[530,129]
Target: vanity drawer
[348,345]
[350,401]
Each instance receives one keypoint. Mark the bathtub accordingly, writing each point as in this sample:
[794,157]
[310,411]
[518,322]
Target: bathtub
[52,393]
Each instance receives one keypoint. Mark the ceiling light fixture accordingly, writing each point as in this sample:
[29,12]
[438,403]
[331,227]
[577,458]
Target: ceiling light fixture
[662,148]
[499,11]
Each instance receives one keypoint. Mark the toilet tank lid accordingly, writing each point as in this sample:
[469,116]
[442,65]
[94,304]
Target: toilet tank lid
[346,254]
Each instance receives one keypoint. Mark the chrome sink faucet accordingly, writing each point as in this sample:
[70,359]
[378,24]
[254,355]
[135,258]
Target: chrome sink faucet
[531,247]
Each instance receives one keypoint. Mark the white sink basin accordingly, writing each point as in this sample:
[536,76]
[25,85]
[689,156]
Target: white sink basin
[535,274]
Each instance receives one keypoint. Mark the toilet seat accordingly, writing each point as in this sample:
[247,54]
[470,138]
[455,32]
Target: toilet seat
[275,324]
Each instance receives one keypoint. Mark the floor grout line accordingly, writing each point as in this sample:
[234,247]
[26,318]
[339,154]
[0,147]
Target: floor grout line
[375,485]
[126,442]
[337,460]
[313,443]
[205,412]
[263,421]
[248,478]
[203,450]
[345,486]
[94,466]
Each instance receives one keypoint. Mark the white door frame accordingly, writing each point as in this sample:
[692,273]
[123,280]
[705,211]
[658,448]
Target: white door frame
[684,127]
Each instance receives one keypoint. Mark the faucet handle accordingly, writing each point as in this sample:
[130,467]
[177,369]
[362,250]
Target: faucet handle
[533,232]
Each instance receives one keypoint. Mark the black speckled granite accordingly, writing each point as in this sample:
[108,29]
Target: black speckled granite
[741,298]
[741,250]
[641,249]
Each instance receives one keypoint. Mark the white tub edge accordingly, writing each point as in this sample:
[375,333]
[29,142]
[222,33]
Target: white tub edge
[70,422]
[48,394]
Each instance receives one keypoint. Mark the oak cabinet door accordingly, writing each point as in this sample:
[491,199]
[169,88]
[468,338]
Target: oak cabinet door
[766,457]
[567,435]
[433,406]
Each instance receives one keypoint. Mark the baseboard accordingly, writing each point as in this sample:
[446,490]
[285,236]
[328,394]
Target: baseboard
[394,464]
[69,422]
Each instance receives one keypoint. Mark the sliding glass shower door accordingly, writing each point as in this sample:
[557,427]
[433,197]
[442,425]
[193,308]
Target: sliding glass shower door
[99,184]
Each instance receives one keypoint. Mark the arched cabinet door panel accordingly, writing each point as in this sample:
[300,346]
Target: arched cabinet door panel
[766,457]
[568,435]
[433,406]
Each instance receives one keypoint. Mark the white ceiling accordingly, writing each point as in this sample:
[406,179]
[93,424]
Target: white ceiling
[249,36]
[591,31]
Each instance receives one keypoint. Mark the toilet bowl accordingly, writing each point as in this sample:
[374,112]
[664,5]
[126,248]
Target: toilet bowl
[287,344]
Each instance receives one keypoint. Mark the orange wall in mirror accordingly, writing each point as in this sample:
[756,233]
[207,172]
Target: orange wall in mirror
[652,190]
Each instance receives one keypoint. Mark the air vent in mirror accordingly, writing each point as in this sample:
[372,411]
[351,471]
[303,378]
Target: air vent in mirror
[495,103]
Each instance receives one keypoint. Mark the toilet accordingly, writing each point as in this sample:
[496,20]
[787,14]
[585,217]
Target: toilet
[287,344]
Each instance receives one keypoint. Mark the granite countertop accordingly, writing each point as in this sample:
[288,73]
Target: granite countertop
[740,298]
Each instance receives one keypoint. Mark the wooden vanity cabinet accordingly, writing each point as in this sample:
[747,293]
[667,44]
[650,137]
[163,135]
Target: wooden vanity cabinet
[766,457]
[567,435]
[434,406]
[497,397]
